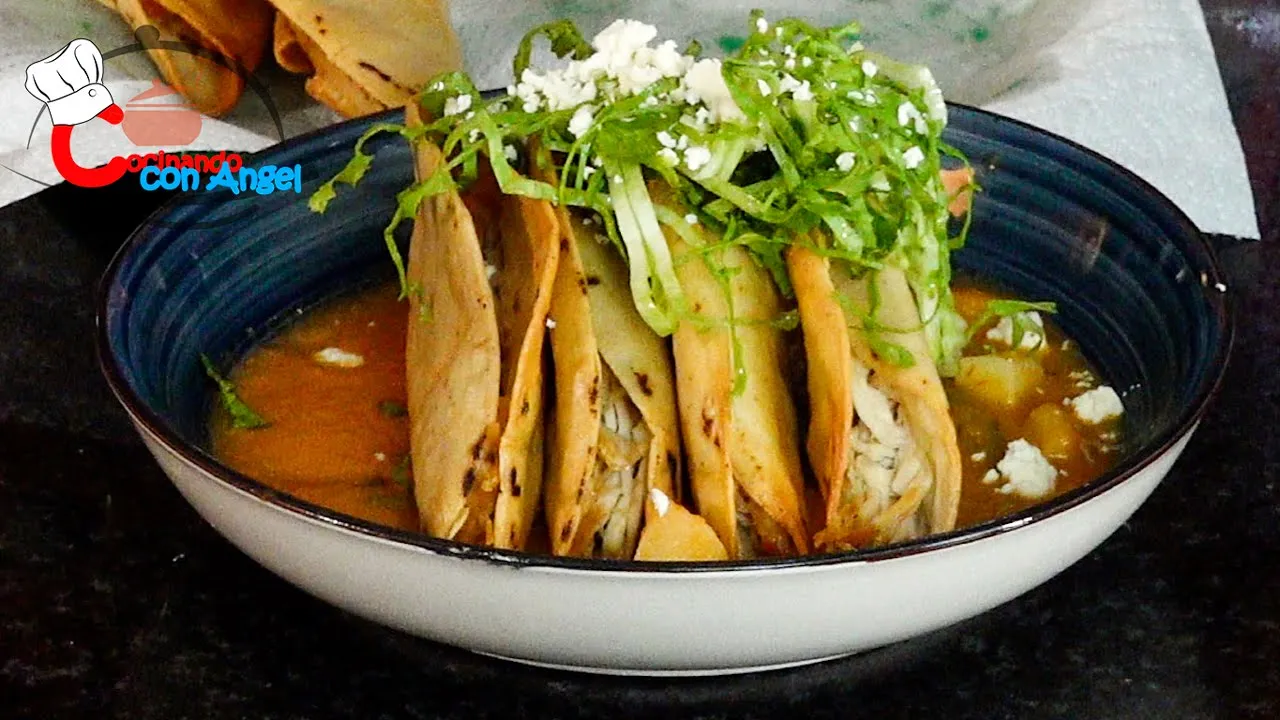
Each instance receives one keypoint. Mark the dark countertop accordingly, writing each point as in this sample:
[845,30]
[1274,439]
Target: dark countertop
[117,601]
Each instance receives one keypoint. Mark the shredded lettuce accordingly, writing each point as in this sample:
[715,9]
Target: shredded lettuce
[242,416]
[814,137]
[1014,309]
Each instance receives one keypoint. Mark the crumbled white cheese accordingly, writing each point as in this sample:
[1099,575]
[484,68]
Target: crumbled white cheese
[1025,471]
[510,153]
[1032,334]
[691,219]
[799,90]
[665,139]
[338,357]
[762,25]
[581,120]
[869,68]
[668,155]
[844,161]
[455,105]
[380,457]
[913,157]
[806,61]
[909,114]
[1098,404]
[551,324]
[660,501]
[489,271]
[978,456]
[696,157]
[991,477]
[622,54]
[764,87]
[789,64]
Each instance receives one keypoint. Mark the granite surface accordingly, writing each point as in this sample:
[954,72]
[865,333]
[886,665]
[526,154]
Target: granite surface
[117,601]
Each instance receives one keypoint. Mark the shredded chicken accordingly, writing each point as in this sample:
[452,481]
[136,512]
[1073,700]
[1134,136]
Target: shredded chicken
[622,465]
[759,535]
[888,477]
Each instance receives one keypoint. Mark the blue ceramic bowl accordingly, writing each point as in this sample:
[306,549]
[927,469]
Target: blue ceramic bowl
[1136,285]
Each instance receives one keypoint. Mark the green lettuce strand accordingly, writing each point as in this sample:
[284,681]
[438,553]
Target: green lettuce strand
[242,416]
[654,286]
[840,150]
[565,40]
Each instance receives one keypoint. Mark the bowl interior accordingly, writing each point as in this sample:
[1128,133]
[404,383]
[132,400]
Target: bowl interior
[1133,279]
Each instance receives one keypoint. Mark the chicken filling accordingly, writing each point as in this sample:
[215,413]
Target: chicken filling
[759,535]
[887,477]
[621,469]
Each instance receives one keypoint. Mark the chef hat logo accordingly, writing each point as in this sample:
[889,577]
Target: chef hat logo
[69,82]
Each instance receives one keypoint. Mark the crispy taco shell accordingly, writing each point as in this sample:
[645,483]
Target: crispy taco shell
[237,30]
[615,435]
[904,427]
[296,52]
[365,56]
[742,449]
[474,361]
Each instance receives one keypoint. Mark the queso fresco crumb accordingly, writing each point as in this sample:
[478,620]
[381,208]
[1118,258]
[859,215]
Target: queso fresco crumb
[1025,471]
[1097,405]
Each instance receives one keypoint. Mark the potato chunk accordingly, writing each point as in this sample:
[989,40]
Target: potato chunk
[1049,428]
[1000,382]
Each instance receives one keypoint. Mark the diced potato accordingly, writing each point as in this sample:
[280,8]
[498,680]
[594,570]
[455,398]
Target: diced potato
[679,535]
[1049,428]
[1000,382]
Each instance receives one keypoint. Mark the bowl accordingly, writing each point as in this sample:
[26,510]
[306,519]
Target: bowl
[1136,284]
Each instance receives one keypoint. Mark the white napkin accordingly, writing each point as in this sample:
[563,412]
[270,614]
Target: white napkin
[1136,81]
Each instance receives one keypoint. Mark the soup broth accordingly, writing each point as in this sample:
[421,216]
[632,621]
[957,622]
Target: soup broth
[332,388]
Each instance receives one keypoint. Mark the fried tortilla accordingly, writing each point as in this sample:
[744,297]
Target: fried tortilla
[615,436]
[237,30]
[479,293]
[742,448]
[296,52]
[362,56]
[881,439]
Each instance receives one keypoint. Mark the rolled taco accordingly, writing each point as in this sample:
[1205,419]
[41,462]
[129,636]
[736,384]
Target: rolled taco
[615,435]
[742,443]
[479,293]
[881,439]
[238,30]
[362,57]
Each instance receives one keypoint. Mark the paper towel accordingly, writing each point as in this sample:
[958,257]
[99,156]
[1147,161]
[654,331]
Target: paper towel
[1135,80]
[1138,82]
